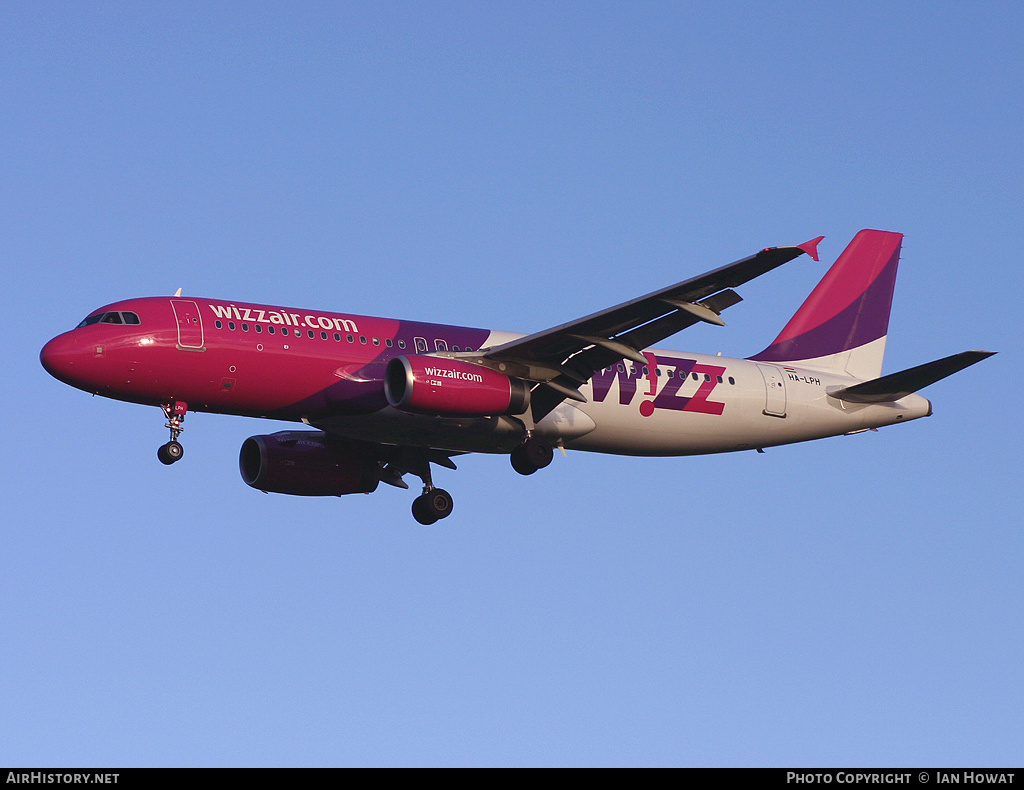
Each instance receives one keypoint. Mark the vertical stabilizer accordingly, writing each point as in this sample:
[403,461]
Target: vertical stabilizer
[842,326]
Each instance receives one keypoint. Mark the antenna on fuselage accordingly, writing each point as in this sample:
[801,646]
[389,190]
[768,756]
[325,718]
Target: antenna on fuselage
[177,293]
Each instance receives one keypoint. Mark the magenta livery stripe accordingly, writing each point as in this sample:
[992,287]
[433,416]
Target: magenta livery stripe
[850,306]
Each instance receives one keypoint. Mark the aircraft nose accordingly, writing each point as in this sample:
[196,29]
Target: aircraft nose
[62,357]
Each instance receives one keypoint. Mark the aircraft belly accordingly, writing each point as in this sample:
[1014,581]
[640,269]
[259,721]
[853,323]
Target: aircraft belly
[391,426]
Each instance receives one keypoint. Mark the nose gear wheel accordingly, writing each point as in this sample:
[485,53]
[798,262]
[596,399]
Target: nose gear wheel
[170,452]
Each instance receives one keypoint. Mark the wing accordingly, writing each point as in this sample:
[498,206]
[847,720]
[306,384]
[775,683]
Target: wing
[561,359]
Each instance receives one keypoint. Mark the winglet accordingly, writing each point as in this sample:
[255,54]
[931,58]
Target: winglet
[811,247]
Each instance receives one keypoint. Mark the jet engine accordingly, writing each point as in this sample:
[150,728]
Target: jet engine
[305,463]
[452,388]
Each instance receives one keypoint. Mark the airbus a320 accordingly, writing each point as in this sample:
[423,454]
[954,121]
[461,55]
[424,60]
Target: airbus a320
[384,398]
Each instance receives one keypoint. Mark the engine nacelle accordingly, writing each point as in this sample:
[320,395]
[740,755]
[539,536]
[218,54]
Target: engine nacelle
[305,463]
[453,388]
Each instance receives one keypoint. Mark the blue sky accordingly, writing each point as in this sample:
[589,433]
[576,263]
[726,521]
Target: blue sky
[853,601]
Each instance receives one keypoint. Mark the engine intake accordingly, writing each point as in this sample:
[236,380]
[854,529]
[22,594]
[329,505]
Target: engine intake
[452,388]
[305,463]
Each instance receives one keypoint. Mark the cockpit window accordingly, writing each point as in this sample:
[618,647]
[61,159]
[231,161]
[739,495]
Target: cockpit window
[93,319]
[111,317]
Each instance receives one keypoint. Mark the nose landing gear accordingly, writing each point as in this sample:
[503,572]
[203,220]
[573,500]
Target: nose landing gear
[173,451]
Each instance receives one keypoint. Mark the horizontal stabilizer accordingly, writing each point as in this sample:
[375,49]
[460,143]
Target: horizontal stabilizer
[899,385]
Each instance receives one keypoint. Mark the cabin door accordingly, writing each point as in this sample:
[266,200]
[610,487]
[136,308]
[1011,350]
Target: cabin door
[190,324]
[775,391]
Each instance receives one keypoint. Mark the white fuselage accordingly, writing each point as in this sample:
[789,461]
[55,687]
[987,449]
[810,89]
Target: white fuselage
[681,403]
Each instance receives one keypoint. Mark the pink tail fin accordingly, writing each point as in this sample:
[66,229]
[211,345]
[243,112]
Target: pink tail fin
[842,325]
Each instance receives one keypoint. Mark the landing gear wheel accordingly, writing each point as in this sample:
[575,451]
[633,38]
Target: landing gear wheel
[520,464]
[170,452]
[531,455]
[419,511]
[432,506]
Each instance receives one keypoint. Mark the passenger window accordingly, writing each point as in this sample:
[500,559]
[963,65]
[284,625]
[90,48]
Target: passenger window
[231,324]
[218,324]
[388,343]
[401,344]
[258,328]
[271,329]
[732,380]
[440,345]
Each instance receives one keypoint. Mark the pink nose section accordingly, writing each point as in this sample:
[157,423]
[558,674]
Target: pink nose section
[63,358]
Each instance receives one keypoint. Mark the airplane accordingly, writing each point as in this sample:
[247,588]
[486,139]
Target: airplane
[385,398]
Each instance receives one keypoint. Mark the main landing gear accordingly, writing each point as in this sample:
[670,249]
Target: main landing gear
[531,455]
[173,451]
[433,504]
